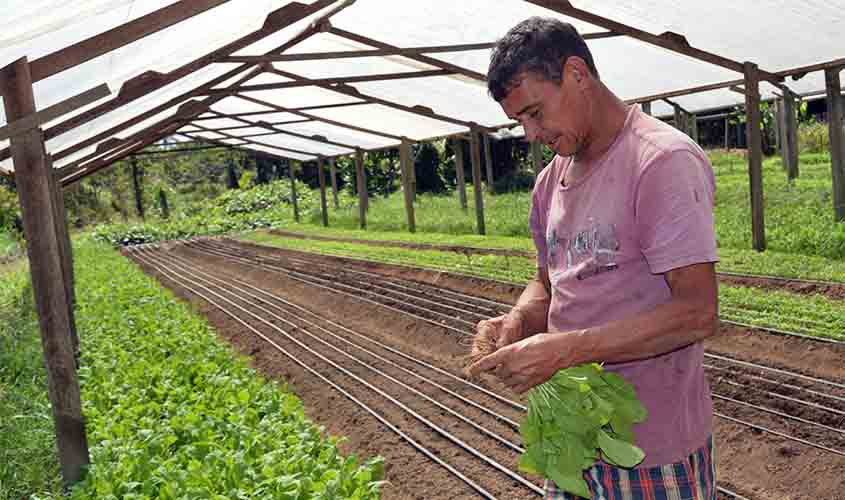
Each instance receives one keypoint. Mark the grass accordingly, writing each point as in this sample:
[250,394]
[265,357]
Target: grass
[811,315]
[28,463]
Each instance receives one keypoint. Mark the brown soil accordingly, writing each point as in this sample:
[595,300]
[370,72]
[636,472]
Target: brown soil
[754,464]
[830,290]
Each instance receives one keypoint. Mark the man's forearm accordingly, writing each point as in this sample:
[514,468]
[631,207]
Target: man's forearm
[533,306]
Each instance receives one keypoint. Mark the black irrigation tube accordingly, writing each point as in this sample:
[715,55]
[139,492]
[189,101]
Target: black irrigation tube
[295,275]
[346,372]
[720,489]
[311,283]
[755,366]
[783,279]
[210,278]
[797,401]
[779,434]
[722,358]
[780,414]
[773,331]
[764,429]
[782,384]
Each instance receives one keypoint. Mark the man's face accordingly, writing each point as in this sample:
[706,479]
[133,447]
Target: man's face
[551,113]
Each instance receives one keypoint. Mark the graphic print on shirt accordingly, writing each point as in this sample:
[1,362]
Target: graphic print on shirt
[587,253]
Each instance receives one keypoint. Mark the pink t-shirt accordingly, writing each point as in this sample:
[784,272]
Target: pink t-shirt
[644,208]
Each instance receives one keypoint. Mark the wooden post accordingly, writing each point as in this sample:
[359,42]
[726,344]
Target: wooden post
[692,129]
[646,107]
[412,177]
[405,167]
[837,140]
[33,185]
[66,253]
[727,130]
[459,172]
[679,118]
[362,188]
[537,157]
[293,192]
[777,125]
[475,157]
[333,174]
[488,162]
[321,175]
[790,134]
[755,155]
[136,186]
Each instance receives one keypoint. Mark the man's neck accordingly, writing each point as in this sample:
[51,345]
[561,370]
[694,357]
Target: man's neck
[609,117]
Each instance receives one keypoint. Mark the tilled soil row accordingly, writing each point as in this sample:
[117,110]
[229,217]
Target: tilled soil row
[806,287]
[411,474]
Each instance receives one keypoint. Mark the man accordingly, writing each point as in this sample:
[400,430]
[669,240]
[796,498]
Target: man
[622,219]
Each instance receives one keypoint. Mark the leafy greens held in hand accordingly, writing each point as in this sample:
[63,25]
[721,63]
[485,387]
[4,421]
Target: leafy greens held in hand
[577,413]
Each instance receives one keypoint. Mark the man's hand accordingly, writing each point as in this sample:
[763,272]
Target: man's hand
[530,362]
[499,331]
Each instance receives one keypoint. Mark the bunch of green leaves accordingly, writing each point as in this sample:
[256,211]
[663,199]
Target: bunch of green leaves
[581,414]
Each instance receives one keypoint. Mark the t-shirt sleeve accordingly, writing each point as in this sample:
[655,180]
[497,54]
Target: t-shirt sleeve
[537,222]
[674,211]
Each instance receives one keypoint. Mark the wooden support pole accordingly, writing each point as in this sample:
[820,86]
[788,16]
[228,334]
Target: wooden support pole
[790,127]
[837,140]
[412,177]
[460,179]
[362,188]
[293,192]
[321,176]
[537,157]
[66,256]
[646,107]
[488,163]
[405,166]
[136,186]
[680,123]
[727,129]
[777,125]
[32,177]
[333,177]
[475,157]
[755,155]
[692,126]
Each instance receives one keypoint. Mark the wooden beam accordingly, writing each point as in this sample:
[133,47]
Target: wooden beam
[353,92]
[835,114]
[274,130]
[32,178]
[669,41]
[421,58]
[755,155]
[51,113]
[327,82]
[687,91]
[271,146]
[120,36]
[360,177]
[321,177]
[405,165]
[460,180]
[135,89]
[319,119]
[488,163]
[333,174]
[475,157]
[247,123]
[646,107]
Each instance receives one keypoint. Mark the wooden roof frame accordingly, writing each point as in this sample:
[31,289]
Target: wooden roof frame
[292,12]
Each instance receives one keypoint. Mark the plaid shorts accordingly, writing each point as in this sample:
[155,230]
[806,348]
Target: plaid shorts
[690,479]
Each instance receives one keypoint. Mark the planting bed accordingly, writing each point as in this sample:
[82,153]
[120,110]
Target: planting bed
[393,339]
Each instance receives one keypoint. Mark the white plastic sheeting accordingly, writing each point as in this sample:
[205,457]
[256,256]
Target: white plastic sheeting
[776,34]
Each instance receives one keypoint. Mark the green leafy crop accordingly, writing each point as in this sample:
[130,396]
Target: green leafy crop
[580,413]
